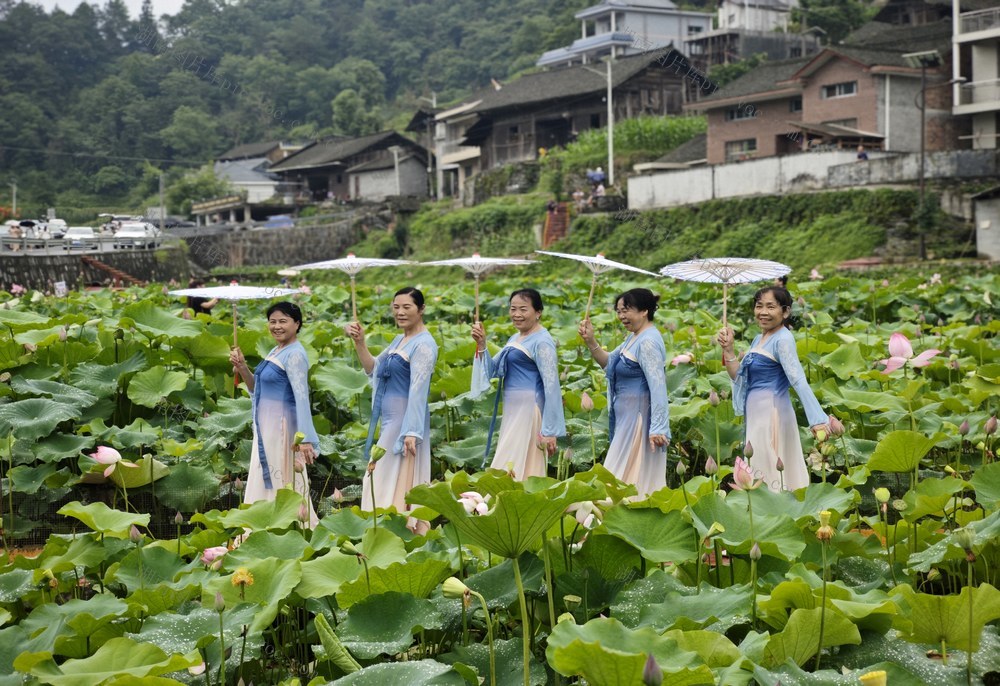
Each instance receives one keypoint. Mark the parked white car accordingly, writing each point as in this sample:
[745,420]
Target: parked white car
[137,235]
[57,228]
[81,238]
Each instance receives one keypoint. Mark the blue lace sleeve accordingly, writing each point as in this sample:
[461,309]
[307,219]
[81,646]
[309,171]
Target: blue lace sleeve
[553,420]
[297,370]
[788,357]
[482,372]
[422,362]
[652,358]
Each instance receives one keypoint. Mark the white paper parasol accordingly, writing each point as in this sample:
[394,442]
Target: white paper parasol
[234,293]
[726,270]
[477,266]
[597,264]
[351,265]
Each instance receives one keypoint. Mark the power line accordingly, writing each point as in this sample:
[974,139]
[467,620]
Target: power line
[103,157]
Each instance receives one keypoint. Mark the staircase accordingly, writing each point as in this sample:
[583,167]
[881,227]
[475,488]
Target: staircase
[118,274]
[556,224]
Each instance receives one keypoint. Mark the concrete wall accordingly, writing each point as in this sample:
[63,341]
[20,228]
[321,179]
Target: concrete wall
[272,246]
[968,164]
[41,272]
[988,228]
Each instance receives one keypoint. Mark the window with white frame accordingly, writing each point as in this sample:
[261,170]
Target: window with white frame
[740,150]
[839,90]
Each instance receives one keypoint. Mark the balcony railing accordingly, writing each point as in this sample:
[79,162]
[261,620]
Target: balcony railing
[980,92]
[981,20]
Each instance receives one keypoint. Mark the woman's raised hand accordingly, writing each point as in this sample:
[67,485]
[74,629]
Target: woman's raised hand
[725,339]
[237,360]
[355,331]
[479,335]
[586,331]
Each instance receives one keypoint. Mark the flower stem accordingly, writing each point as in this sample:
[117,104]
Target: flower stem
[489,639]
[526,629]
[822,610]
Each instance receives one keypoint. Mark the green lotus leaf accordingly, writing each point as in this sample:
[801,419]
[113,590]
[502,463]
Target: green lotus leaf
[119,656]
[42,338]
[12,354]
[799,640]
[419,673]
[148,388]
[497,583]
[508,659]
[862,401]
[325,575]
[79,622]
[152,601]
[188,487]
[688,610]
[342,522]
[938,619]
[649,590]
[231,418]
[14,584]
[102,519]
[30,479]
[384,624]
[793,675]
[605,652]
[608,555]
[516,521]
[176,633]
[713,648]
[930,497]
[207,350]
[777,535]
[155,321]
[102,379]
[129,680]
[815,499]
[417,579]
[137,434]
[464,454]
[262,515]
[657,536]
[846,361]
[273,581]
[264,544]
[159,565]
[64,393]
[382,547]
[986,481]
[341,381]
[900,451]
[34,418]
[58,446]
[146,471]
[19,320]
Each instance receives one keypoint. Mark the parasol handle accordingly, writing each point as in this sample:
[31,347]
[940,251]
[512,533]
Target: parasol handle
[477,298]
[354,300]
[590,299]
[725,302]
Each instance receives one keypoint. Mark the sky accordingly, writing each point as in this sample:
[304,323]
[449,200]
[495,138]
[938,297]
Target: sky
[160,7]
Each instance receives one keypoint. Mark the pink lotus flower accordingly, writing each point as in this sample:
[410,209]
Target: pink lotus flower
[683,358]
[474,503]
[815,275]
[305,289]
[586,402]
[901,353]
[743,477]
[17,289]
[110,457]
[213,554]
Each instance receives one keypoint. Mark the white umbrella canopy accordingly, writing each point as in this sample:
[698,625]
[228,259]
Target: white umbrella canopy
[726,270]
[234,293]
[351,265]
[597,264]
[477,266]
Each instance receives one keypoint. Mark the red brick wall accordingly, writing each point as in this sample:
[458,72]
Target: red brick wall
[862,106]
[770,122]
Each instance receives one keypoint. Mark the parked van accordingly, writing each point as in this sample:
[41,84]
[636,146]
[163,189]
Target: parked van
[136,235]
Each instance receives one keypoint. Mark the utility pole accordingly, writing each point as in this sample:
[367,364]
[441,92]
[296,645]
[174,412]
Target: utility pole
[611,125]
[162,209]
[13,208]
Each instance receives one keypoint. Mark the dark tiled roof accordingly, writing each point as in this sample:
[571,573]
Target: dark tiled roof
[383,162]
[248,150]
[567,82]
[760,79]
[690,151]
[336,151]
[882,36]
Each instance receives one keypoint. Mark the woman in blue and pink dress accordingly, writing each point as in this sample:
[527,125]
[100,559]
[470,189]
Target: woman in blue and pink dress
[760,392]
[638,414]
[280,389]
[401,380]
[528,370]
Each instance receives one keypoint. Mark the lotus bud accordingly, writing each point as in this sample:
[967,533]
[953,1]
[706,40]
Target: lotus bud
[991,426]
[681,469]
[572,602]
[348,548]
[178,518]
[652,675]
[134,534]
[586,403]
[950,470]
[63,334]
[454,588]
[882,495]
[238,484]
[565,617]
[299,464]
[303,513]
[965,538]
[186,314]
[377,453]
[933,574]
[713,398]
[755,552]
[748,450]
[567,455]
[197,669]
[5,377]
[876,678]
[337,496]
[836,426]
[801,301]
[220,602]
[779,465]
[564,376]
[954,365]
[963,428]
[711,467]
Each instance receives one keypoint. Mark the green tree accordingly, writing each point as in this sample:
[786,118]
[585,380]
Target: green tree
[351,117]
[722,74]
[192,135]
[836,17]
[193,187]
[110,180]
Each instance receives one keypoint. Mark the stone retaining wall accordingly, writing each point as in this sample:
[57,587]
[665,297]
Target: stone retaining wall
[40,272]
[237,249]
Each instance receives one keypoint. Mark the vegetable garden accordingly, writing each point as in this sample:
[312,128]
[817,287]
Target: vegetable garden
[888,562]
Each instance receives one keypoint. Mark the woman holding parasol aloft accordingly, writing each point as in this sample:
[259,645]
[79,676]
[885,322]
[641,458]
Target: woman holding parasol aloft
[638,414]
[760,391]
[401,380]
[528,369]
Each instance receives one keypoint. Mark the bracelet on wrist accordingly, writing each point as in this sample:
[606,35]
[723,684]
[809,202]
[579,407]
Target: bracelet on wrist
[594,347]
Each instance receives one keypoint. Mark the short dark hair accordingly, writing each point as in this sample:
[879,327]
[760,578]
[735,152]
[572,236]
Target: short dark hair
[289,309]
[531,295]
[781,296]
[418,297]
[641,299]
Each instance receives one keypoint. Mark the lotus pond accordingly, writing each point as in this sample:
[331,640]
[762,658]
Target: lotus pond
[885,567]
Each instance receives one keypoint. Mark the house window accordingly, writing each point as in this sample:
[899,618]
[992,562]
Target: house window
[741,112]
[514,131]
[694,30]
[740,150]
[595,121]
[849,123]
[795,105]
[839,90]
[340,178]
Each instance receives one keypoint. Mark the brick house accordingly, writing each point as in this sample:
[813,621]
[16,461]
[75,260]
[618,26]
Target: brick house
[864,92]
